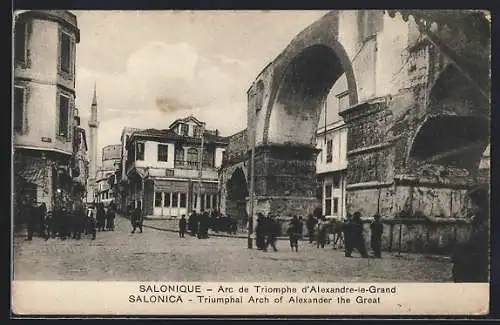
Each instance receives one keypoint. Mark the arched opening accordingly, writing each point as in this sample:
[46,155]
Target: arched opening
[237,192]
[456,133]
[304,87]
[457,141]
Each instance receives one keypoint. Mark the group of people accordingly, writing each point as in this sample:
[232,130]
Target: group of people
[267,231]
[198,224]
[66,223]
[348,232]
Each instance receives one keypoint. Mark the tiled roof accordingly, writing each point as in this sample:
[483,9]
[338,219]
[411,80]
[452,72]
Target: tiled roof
[170,134]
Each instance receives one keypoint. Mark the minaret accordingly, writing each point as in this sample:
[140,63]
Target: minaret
[93,128]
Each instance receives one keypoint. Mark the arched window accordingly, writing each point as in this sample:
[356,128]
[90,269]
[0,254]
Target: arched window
[179,156]
[192,157]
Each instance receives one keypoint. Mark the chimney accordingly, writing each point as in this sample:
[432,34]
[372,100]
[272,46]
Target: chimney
[217,132]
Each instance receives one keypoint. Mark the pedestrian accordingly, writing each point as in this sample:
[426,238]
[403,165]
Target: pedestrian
[182,226]
[91,224]
[310,224]
[355,235]
[100,216]
[301,228]
[137,219]
[272,232]
[63,223]
[321,232]
[377,229]
[259,232]
[294,233]
[110,218]
[42,211]
[471,260]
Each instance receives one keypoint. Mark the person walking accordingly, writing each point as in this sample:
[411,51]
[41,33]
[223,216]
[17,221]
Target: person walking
[321,232]
[137,219]
[260,232]
[100,217]
[377,229]
[294,233]
[182,226]
[355,235]
[110,218]
[310,224]
[272,232]
[42,213]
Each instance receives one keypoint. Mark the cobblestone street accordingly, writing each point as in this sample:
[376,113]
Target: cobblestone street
[161,255]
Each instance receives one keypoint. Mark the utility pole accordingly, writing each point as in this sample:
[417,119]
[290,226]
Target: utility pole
[252,176]
[200,170]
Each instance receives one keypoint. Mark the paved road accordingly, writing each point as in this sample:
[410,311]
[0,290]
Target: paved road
[158,255]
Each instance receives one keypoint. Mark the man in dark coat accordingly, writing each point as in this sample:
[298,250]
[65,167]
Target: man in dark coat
[310,224]
[471,260]
[137,219]
[42,213]
[182,226]
[355,234]
[377,229]
[259,232]
[272,231]
[294,233]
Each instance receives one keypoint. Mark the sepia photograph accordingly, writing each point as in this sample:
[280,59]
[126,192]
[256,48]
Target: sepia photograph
[180,147]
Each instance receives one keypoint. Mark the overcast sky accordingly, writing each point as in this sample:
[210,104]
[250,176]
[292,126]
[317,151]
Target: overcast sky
[153,67]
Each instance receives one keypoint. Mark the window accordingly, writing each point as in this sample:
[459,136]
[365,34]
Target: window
[207,158]
[18,108]
[185,130]
[336,181]
[202,204]
[195,200]
[214,201]
[179,156]
[192,156]
[196,131]
[335,205]
[139,151]
[329,149]
[20,42]
[64,110]
[157,199]
[65,54]
[162,152]
[166,201]
[328,200]
[208,201]
[175,199]
[183,200]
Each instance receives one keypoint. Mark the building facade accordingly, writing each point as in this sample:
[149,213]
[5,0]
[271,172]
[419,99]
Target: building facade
[331,161]
[165,168]
[106,173]
[46,129]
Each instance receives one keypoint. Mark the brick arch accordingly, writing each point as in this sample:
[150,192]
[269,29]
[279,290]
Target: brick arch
[305,76]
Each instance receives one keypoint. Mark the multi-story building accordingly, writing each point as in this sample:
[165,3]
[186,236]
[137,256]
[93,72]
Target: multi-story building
[121,181]
[331,140]
[164,171]
[111,157]
[44,114]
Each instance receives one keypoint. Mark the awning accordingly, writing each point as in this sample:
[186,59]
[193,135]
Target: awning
[34,175]
[141,172]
